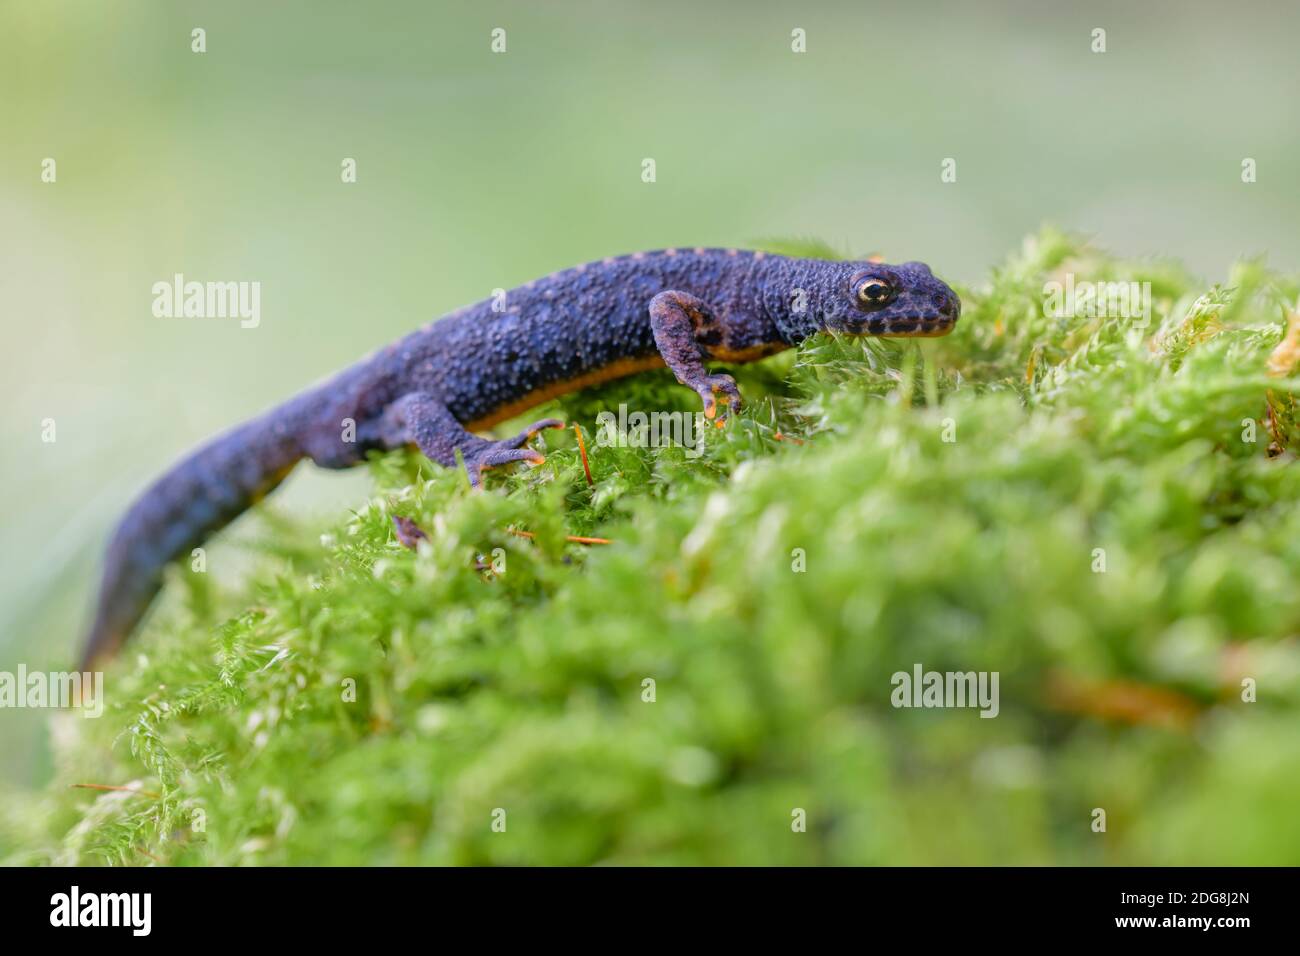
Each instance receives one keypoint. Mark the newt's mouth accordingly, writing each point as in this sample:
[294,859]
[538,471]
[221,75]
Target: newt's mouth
[914,329]
[921,316]
[905,326]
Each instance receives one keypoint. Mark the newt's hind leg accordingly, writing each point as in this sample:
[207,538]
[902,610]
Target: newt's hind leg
[685,329]
[421,420]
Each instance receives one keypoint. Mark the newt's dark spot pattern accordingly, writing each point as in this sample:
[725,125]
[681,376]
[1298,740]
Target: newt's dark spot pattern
[477,367]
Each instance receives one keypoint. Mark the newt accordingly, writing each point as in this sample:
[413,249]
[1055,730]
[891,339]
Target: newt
[492,361]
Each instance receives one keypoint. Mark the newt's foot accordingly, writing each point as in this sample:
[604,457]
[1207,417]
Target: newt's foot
[491,454]
[408,532]
[724,387]
[529,433]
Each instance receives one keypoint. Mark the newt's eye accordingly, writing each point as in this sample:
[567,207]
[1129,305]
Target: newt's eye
[873,293]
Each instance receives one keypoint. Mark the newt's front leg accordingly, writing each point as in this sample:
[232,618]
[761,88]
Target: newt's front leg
[685,328]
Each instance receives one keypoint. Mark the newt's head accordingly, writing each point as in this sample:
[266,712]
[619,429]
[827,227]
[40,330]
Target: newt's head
[879,299]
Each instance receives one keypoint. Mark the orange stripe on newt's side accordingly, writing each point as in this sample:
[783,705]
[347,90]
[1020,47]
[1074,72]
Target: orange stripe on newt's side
[619,369]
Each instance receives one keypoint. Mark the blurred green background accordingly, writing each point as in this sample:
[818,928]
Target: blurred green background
[478,170]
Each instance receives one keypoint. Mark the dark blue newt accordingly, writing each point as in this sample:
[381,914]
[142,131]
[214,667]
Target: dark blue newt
[490,362]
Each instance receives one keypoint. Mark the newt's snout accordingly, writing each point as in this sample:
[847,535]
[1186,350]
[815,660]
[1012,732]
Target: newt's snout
[901,300]
[938,319]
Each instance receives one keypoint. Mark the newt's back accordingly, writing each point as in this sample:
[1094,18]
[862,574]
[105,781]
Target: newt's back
[574,328]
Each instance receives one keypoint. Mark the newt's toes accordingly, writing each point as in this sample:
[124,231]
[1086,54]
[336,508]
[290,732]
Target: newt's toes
[529,433]
[503,456]
[495,455]
[715,388]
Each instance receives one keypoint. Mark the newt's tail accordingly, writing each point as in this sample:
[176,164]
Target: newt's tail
[200,494]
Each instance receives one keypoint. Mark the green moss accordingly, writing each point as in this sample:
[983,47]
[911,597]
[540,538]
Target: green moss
[523,691]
